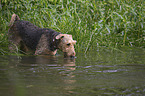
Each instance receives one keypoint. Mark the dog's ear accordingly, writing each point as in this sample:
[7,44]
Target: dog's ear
[60,36]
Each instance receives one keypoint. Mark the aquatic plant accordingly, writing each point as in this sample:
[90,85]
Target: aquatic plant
[93,23]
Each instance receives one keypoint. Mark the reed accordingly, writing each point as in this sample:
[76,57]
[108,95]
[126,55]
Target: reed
[93,23]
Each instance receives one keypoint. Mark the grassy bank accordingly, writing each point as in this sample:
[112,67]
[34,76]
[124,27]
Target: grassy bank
[93,23]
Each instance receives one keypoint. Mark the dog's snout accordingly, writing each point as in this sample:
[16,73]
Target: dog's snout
[73,54]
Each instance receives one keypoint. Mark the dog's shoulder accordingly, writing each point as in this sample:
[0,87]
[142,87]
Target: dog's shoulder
[49,32]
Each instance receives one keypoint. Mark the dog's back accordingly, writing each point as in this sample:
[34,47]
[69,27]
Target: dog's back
[29,33]
[24,33]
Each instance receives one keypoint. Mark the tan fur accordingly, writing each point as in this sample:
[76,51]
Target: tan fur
[67,44]
[43,48]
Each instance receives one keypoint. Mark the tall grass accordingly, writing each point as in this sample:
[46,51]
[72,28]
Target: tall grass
[93,23]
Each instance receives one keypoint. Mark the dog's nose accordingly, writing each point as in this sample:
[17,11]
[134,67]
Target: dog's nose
[74,54]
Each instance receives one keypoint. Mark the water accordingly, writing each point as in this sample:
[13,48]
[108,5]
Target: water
[98,73]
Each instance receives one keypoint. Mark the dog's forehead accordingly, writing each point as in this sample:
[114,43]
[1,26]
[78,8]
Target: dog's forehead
[67,39]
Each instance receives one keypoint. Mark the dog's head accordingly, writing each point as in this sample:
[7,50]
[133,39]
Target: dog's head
[66,44]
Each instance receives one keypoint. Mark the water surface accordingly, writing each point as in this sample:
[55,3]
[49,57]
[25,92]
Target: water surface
[99,72]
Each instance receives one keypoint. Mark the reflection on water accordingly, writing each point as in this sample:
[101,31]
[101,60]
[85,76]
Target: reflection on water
[102,72]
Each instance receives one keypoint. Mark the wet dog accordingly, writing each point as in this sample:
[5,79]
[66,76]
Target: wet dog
[31,39]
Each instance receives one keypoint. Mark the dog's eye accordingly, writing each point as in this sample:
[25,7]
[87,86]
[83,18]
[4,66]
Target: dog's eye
[68,44]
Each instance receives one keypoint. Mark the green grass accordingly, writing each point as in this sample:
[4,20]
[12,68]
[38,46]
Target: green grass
[93,23]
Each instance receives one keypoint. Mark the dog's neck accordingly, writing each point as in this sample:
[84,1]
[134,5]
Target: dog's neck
[54,43]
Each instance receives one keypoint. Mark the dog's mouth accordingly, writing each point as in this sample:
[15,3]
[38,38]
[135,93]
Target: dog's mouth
[72,57]
[66,56]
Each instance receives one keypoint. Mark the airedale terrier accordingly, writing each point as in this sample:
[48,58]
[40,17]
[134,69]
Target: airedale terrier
[39,41]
